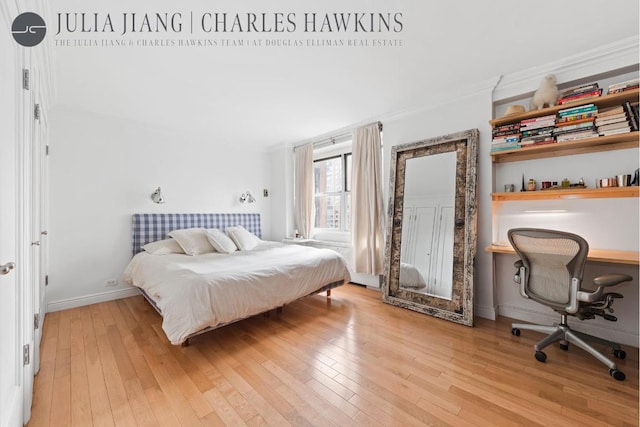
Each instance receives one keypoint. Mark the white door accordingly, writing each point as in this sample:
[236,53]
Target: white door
[11,395]
[425,229]
[442,285]
[28,234]
[41,227]
[35,228]
[406,251]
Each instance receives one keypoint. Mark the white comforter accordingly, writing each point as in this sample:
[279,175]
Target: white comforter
[194,292]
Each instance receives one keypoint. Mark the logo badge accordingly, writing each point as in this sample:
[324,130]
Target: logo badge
[28,29]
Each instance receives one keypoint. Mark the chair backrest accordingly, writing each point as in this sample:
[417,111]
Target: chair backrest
[552,260]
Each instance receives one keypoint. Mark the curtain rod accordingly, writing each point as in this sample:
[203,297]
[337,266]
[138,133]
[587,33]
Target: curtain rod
[330,140]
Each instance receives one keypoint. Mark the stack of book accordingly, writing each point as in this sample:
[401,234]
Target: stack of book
[624,86]
[537,131]
[576,123]
[612,121]
[506,137]
[631,108]
[580,93]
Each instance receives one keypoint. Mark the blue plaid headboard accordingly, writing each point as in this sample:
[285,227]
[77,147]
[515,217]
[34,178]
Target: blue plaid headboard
[151,227]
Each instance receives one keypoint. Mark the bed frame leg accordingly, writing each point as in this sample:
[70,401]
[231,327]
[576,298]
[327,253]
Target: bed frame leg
[329,293]
[185,343]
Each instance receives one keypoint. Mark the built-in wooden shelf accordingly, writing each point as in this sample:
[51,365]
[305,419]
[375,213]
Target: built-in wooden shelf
[604,101]
[573,193]
[595,255]
[567,148]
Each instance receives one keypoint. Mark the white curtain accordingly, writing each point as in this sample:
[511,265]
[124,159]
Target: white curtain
[367,207]
[303,197]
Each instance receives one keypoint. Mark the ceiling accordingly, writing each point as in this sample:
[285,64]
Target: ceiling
[269,96]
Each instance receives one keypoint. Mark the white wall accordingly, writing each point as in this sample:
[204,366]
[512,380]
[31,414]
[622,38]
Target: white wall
[104,169]
[281,161]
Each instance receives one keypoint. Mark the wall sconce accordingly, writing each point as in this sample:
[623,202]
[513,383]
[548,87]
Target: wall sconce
[156,196]
[247,197]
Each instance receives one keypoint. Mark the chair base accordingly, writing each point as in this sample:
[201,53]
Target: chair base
[564,334]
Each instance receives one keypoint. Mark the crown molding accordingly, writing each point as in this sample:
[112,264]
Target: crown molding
[603,59]
[445,97]
[436,100]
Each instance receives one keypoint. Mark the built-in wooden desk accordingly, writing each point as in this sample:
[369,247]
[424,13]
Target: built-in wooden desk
[595,255]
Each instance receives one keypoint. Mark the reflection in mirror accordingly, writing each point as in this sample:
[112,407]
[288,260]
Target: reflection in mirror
[431,231]
[426,252]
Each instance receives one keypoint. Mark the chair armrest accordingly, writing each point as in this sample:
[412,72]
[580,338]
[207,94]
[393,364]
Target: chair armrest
[521,278]
[611,279]
[602,282]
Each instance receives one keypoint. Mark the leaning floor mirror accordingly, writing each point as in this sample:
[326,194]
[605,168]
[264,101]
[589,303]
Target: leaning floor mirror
[431,230]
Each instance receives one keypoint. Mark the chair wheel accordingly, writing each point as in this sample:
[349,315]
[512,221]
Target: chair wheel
[515,331]
[564,347]
[541,357]
[618,375]
[620,354]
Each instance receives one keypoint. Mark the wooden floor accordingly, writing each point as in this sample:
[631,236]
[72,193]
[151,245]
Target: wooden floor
[353,361]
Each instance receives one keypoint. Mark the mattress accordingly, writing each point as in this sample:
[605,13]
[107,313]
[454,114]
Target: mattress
[213,289]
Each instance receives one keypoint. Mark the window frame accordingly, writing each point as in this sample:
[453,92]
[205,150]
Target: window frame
[345,193]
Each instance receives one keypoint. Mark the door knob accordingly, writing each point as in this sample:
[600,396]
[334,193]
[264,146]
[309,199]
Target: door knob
[44,233]
[5,269]
[36,243]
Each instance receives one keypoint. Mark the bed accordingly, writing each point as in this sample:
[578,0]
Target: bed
[410,277]
[199,292]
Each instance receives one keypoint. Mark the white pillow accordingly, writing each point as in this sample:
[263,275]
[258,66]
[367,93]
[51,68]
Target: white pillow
[192,240]
[244,240]
[220,241]
[163,247]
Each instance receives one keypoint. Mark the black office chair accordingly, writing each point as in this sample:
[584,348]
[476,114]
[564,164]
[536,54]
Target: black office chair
[550,272]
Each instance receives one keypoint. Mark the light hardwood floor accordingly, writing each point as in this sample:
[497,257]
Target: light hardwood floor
[353,361]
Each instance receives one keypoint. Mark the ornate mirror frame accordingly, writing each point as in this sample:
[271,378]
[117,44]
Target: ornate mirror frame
[460,308]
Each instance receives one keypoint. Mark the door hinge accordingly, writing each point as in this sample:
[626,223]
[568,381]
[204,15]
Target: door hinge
[36,111]
[25,78]
[36,321]
[46,150]
[25,355]
[46,280]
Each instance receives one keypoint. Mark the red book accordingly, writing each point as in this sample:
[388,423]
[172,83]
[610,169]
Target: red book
[586,95]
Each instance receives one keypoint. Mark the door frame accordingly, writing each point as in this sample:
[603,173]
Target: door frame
[11,377]
[27,252]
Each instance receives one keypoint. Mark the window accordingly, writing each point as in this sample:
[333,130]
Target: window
[332,192]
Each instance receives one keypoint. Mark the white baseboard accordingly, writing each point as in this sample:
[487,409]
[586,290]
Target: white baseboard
[13,415]
[532,316]
[368,280]
[484,312]
[91,299]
